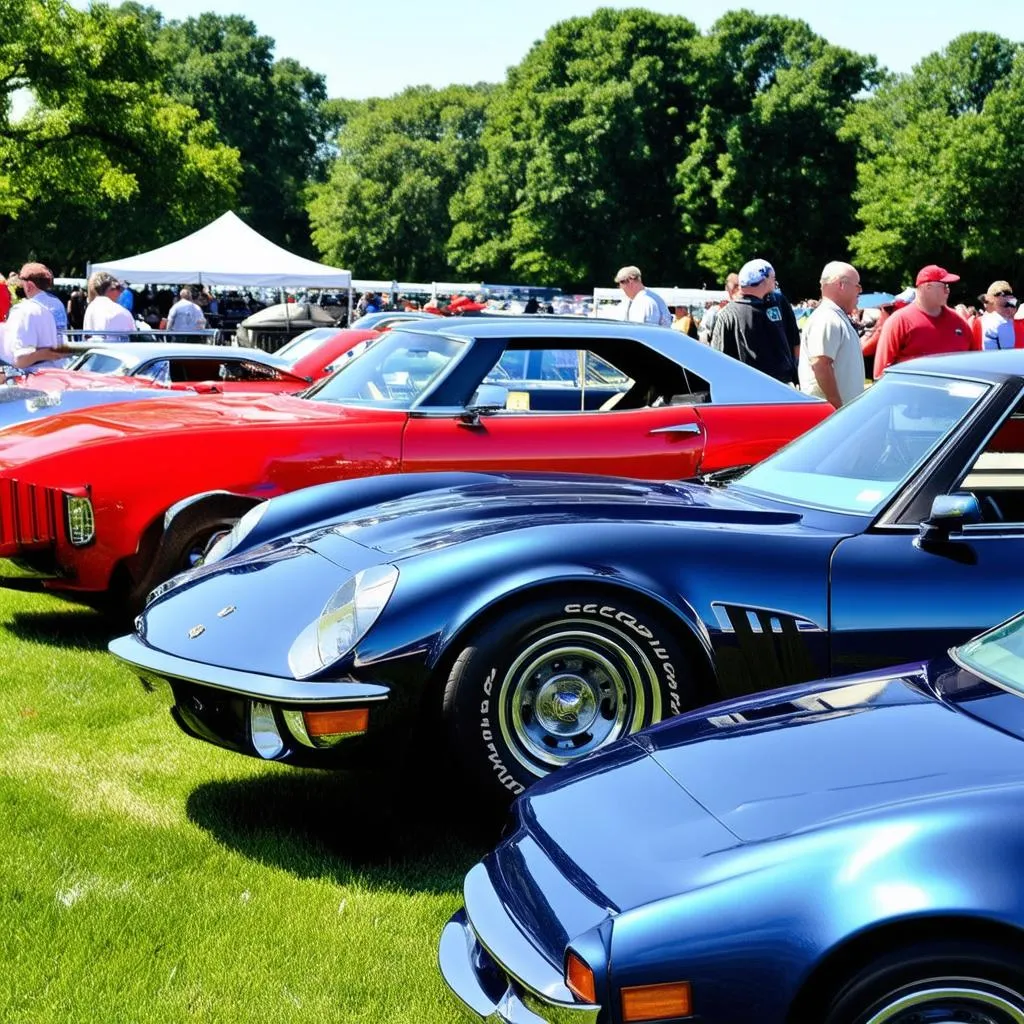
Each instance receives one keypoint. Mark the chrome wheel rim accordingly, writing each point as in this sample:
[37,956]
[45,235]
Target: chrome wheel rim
[574,690]
[960,1002]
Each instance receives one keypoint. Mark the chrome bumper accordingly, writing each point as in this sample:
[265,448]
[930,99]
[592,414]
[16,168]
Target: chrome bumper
[150,662]
[496,991]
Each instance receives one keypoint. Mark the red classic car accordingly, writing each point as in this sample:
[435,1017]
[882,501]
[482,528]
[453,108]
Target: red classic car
[319,351]
[112,501]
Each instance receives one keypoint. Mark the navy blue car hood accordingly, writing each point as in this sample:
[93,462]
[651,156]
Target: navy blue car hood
[793,761]
[439,517]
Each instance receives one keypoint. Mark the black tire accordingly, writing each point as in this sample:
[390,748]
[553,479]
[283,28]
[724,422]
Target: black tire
[557,679]
[967,981]
[183,544]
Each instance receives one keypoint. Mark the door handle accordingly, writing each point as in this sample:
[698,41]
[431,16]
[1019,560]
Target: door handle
[679,428]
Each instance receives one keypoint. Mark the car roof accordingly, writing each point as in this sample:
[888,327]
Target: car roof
[135,352]
[994,366]
[732,382]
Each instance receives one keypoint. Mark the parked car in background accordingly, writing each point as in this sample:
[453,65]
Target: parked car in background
[185,366]
[519,622]
[128,496]
[844,852]
[321,350]
[384,319]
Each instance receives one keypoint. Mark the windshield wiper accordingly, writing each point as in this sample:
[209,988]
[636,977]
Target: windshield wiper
[720,477]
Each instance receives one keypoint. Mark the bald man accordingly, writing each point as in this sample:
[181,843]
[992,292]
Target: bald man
[831,365]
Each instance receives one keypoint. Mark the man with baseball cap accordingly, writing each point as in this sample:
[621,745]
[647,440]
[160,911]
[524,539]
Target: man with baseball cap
[997,320]
[753,326]
[926,327]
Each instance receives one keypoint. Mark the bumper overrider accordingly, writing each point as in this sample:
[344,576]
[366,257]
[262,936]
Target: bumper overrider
[266,716]
[496,973]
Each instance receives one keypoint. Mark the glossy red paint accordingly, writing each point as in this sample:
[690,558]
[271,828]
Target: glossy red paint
[135,460]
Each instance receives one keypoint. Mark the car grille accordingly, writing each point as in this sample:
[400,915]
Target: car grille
[28,515]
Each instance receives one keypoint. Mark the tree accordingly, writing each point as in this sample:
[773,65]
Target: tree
[385,205]
[103,162]
[941,169]
[766,173]
[274,113]
[581,146]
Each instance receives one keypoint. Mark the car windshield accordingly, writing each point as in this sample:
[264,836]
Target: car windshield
[862,454]
[998,655]
[302,344]
[100,362]
[392,373]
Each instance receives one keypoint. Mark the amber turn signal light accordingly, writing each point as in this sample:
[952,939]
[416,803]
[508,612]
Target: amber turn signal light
[336,723]
[656,1002]
[580,979]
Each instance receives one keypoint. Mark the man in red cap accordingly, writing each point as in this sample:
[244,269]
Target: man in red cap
[926,327]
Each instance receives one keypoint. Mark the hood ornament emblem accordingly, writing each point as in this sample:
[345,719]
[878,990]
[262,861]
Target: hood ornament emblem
[226,611]
[196,631]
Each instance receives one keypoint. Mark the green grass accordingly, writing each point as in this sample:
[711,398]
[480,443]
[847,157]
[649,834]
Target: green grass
[145,876]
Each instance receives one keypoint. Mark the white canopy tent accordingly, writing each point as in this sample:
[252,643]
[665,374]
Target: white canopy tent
[226,252]
[672,296]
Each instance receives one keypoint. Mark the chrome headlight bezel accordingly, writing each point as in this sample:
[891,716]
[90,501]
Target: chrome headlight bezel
[226,544]
[343,621]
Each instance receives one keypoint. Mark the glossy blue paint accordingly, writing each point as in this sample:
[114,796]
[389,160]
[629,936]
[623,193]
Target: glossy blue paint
[741,847]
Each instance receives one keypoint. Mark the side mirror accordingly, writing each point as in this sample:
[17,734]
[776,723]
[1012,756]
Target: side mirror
[949,515]
[489,396]
[486,398]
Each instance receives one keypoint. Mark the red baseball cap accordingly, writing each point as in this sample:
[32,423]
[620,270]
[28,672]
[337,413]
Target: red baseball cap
[933,272]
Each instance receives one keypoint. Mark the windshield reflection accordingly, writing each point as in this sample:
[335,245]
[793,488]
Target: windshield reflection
[858,458]
[997,655]
[392,373]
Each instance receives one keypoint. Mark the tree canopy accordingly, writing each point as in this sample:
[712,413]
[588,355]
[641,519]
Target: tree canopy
[385,205]
[103,160]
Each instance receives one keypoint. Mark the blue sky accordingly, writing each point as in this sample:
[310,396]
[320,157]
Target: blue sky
[365,50]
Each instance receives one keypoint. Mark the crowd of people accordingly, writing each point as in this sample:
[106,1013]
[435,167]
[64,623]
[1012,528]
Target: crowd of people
[836,348]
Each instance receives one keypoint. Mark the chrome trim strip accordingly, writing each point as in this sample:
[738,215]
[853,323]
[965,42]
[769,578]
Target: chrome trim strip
[498,933]
[679,428]
[246,684]
[457,959]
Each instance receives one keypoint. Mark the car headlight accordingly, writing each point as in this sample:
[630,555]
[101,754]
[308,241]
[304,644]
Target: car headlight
[223,547]
[344,621]
[79,519]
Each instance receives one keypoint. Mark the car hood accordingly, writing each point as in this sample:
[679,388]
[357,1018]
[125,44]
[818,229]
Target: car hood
[765,768]
[23,403]
[498,503]
[84,423]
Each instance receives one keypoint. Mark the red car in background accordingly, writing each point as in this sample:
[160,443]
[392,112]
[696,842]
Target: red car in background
[319,351]
[105,504]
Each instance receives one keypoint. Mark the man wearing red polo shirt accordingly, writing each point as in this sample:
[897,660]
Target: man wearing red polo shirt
[926,327]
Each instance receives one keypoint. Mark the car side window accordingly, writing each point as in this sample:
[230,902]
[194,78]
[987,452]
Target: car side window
[159,370]
[996,477]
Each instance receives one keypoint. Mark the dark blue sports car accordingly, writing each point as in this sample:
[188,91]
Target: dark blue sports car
[842,852]
[524,621]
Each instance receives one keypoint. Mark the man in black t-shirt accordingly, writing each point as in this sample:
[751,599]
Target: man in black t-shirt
[758,327]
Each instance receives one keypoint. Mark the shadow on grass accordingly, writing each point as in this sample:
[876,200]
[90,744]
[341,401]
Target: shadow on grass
[79,628]
[343,826]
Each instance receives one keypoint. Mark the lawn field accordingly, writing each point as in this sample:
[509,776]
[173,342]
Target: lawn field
[147,877]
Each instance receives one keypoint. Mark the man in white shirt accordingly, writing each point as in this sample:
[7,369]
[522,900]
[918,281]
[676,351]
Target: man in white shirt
[831,365]
[30,337]
[185,315]
[997,320]
[104,313]
[641,305]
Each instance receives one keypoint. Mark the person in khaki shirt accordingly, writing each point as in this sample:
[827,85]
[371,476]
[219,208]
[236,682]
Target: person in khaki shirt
[831,365]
